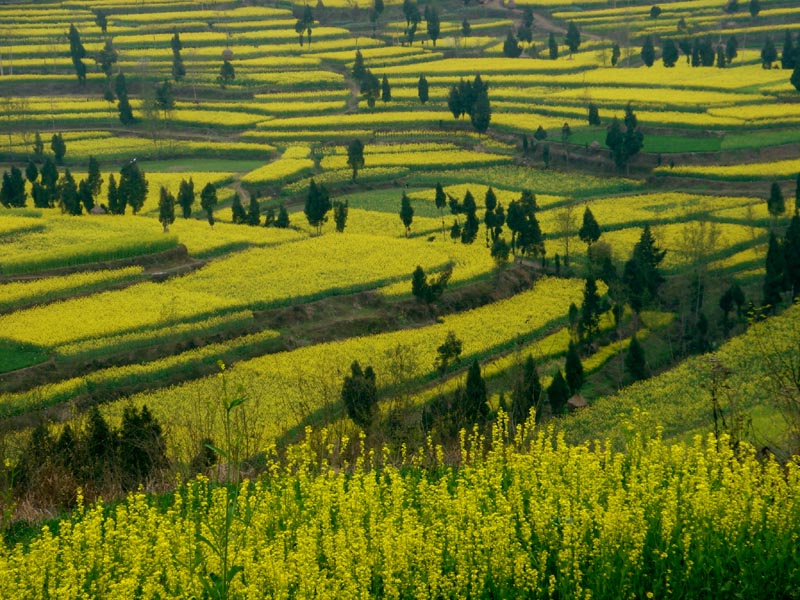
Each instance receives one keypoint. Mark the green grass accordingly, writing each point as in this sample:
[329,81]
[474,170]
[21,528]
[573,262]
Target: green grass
[655,143]
[760,139]
[14,355]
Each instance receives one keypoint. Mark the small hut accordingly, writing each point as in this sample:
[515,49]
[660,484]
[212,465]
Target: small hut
[577,402]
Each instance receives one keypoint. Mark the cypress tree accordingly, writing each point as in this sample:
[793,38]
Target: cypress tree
[254,211]
[238,214]
[166,208]
[422,89]
[775,203]
[360,395]
[573,369]
[475,407]
[186,197]
[791,250]
[775,276]
[406,213]
[558,394]
[635,361]
[526,392]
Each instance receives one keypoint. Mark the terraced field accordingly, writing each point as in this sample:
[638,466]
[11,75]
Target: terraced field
[300,163]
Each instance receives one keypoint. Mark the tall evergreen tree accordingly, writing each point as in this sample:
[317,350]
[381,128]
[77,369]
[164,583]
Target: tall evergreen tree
[125,111]
[340,210]
[238,214]
[317,205]
[440,199]
[789,52]
[574,369]
[132,187]
[481,113]
[573,37]
[648,51]
[31,171]
[552,46]
[590,229]
[635,361]
[754,7]
[406,212]
[68,194]
[422,89]
[791,251]
[386,89]
[94,178]
[59,148]
[77,52]
[476,407]
[355,156]
[186,197]
[227,74]
[615,54]
[776,205]
[471,222]
[85,196]
[641,275]
[178,69]
[254,211]
[558,394]
[526,392]
[768,53]
[166,209]
[113,197]
[590,310]
[594,114]
[511,47]
[731,48]
[775,277]
[669,53]
[433,23]
[360,395]
[282,221]
[208,201]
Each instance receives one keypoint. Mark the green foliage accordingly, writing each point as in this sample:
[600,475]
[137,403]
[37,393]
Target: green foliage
[317,206]
[406,212]
[558,394]
[511,47]
[208,201]
[59,148]
[107,57]
[386,89]
[475,399]
[227,74]
[186,197]
[594,114]
[433,23]
[448,353]
[68,198]
[282,221]
[573,369]
[426,291]
[422,89]
[77,52]
[355,156]
[669,53]
[125,111]
[526,393]
[776,205]
[590,229]
[360,395]
[552,46]
[340,210]
[641,276]
[132,188]
[238,213]
[94,178]
[12,192]
[166,208]
[775,277]
[573,37]
[635,360]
